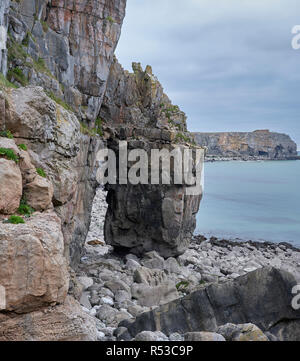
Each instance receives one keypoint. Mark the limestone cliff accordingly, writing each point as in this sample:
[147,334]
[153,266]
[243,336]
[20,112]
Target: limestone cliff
[260,144]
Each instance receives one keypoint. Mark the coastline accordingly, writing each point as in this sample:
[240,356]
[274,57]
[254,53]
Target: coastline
[248,159]
[119,288]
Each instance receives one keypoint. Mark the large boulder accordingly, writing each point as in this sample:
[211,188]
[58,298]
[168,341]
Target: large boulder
[262,297]
[33,269]
[10,186]
[39,193]
[66,322]
[246,332]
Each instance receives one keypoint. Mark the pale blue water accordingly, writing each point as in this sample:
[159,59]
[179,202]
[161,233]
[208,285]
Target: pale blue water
[251,200]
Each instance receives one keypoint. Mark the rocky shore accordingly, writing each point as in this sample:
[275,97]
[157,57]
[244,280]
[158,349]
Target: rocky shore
[121,287]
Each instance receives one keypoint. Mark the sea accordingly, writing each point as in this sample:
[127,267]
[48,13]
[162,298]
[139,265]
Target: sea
[253,200]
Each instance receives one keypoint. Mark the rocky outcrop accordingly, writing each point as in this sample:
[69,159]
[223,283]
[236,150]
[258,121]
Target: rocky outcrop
[149,216]
[33,269]
[262,297]
[66,47]
[66,322]
[260,144]
[56,145]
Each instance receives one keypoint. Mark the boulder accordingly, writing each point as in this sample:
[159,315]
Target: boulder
[203,336]
[262,297]
[151,336]
[10,186]
[149,296]
[33,269]
[245,332]
[39,193]
[66,322]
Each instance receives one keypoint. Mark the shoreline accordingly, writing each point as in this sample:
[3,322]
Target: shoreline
[240,159]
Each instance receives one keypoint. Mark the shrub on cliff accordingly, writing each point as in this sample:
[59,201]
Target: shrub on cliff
[9,154]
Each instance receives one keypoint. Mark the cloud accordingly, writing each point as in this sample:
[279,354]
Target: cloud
[229,64]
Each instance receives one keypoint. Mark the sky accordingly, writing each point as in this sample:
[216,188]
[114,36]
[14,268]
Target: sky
[228,64]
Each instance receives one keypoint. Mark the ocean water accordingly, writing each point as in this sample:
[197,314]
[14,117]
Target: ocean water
[256,200]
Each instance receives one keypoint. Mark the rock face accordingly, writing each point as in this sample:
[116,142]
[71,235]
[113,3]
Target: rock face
[68,157]
[4,7]
[66,322]
[262,297]
[260,144]
[150,216]
[76,41]
[33,269]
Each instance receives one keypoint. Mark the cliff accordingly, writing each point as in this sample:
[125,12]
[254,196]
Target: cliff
[257,145]
[57,57]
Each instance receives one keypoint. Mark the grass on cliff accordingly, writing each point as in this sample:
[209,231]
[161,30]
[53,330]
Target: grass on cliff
[25,209]
[41,172]
[17,75]
[5,83]
[6,134]
[92,132]
[15,220]
[23,147]
[9,154]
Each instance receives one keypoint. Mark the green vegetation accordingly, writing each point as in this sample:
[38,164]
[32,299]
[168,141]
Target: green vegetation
[99,122]
[92,132]
[6,134]
[28,36]
[182,137]
[18,75]
[22,146]
[9,154]
[59,101]
[45,26]
[110,19]
[4,83]
[202,282]
[41,172]
[15,220]
[25,209]
[182,285]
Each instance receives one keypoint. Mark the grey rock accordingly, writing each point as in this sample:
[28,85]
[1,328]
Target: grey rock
[244,332]
[203,336]
[262,297]
[151,336]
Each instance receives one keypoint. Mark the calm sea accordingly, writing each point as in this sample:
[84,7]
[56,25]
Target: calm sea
[251,200]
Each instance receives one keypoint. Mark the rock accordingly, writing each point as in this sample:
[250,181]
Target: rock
[86,282]
[66,322]
[203,336]
[153,260]
[151,336]
[117,285]
[230,302]
[153,296]
[107,314]
[85,302]
[28,251]
[107,301]
[39,193]
[175,337]
[151,277]
[260,144]
[132,264]
[10,186]
[244,332]
[147,217]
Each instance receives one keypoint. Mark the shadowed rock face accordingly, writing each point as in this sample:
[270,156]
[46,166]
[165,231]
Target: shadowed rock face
[261,144]
[263,297]
[146,217]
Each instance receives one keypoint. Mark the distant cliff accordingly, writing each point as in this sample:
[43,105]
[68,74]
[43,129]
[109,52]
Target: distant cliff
[260,144]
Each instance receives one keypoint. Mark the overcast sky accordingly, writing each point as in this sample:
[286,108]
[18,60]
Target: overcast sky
[228,64]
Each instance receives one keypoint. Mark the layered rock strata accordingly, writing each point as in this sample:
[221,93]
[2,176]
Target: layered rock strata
[257,145]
